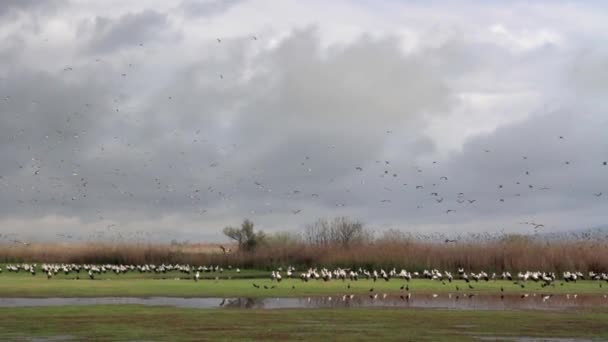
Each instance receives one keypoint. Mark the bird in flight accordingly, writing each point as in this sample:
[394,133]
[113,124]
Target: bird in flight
[295,212]
[219,40]
[358,168]
[598,194]
[444,178]
[449,211]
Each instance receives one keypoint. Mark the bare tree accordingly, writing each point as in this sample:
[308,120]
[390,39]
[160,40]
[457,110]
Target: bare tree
[346,231]
[340,231]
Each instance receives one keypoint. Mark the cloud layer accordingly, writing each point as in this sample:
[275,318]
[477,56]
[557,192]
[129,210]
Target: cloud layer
[171,120]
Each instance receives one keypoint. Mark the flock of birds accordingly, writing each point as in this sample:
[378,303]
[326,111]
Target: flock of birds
[74,181]
[324,274]
[92,270]
[343,274]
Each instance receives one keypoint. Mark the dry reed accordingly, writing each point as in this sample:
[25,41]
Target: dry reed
[491,256]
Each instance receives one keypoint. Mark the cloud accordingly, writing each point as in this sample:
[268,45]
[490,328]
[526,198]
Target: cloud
[185,134]
[11,7]
[129,30]
[206,8]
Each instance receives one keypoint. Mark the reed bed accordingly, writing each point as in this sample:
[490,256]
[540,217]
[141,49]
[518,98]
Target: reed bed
[509,254]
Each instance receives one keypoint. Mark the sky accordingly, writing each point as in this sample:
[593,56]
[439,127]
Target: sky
[173,119]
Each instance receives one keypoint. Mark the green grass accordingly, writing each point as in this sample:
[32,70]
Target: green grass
[122,323]
[24,285]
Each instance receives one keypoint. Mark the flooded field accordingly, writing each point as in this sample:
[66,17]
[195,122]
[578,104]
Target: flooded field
[445,301]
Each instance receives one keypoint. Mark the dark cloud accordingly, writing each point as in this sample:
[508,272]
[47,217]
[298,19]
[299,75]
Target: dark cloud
[11,7]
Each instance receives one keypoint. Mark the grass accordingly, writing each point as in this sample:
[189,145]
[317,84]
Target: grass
[130,322]
[141,285]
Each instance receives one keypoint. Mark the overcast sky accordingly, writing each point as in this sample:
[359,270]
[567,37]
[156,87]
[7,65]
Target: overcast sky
[176,118]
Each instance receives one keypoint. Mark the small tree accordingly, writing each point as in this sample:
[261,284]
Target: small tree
[246,238]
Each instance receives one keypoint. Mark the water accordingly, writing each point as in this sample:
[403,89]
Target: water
[443,301]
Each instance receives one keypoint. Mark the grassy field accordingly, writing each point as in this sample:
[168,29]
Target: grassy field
[136,285]
[121,323]
[149,323]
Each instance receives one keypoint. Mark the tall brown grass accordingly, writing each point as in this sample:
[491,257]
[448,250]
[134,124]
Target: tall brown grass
[492,256]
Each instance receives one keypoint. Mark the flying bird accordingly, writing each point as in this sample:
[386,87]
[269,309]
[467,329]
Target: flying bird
[295,212]
[598,194]
[449,211]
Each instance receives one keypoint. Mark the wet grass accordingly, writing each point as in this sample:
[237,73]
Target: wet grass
[130,322]
[111,285]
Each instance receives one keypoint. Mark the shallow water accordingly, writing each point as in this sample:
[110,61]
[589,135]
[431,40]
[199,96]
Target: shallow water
[444,301]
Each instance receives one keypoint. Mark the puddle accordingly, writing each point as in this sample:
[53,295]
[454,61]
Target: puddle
[444,301]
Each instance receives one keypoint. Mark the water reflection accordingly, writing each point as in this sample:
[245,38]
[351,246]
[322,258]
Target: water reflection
[458,301]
